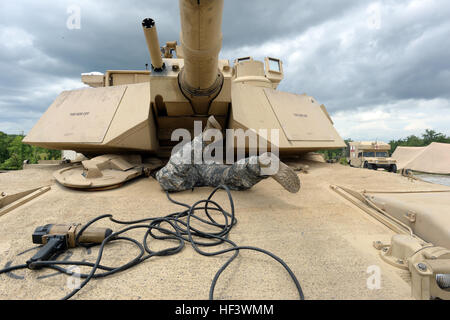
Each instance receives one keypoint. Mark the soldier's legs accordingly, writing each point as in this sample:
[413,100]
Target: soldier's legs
[180,173]
[177,177]
[242,175]
[247,172]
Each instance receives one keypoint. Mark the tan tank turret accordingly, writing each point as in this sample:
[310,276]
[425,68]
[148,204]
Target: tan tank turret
[136,111]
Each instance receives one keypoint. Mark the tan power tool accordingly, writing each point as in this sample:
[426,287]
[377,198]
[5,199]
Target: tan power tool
[57,238]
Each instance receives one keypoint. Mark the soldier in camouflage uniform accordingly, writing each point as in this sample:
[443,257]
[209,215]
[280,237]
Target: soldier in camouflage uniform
[180,175]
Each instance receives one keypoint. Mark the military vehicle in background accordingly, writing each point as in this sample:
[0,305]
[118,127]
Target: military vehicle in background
[371,155]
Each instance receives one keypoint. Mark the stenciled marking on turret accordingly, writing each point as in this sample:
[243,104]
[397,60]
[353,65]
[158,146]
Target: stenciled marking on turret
[77,114]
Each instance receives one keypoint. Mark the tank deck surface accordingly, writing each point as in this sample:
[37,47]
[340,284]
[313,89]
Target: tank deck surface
[325,240]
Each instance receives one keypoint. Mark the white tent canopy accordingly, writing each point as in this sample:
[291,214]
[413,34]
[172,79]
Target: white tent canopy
[434,158]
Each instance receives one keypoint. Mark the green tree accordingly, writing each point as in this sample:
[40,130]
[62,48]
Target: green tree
[3,147]
[428,137]
[13,152]
[337,154]
[16,153]
[432,136]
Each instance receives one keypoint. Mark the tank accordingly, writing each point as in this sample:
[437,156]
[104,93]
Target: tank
[350,233]
[137,111]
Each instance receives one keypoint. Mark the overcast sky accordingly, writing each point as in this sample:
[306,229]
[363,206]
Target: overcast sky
[382,68]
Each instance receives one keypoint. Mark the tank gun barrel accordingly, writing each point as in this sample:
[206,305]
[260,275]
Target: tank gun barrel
[151,36]
[201,41]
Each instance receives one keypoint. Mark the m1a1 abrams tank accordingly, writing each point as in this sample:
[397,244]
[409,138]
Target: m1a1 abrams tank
[136,112]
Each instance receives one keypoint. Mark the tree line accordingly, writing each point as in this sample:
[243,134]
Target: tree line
[13,152]
[425,139]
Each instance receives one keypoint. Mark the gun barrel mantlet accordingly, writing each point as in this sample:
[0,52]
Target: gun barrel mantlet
[200,79]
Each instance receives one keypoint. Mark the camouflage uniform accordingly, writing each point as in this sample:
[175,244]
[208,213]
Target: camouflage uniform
[179,176]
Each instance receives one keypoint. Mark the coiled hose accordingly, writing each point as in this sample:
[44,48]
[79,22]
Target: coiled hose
[176,226]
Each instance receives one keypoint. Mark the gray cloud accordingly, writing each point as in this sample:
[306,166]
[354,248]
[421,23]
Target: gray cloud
[354,56]
[255,22]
